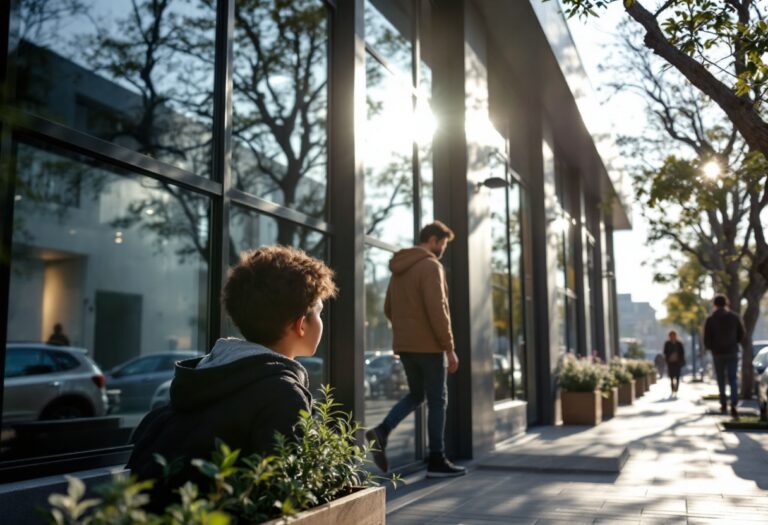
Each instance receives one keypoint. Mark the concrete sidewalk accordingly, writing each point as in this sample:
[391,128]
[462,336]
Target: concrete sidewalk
[681,469]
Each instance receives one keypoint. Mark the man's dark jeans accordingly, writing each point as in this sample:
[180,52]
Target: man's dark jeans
[426,379]
[727,363]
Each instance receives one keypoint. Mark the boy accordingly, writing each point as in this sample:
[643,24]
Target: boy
[243,391]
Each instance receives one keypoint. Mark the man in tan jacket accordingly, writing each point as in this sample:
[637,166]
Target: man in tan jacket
[417,307]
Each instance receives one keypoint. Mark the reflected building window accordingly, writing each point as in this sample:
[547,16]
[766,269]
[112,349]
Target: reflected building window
[119,262]
[280,103]
[137,74]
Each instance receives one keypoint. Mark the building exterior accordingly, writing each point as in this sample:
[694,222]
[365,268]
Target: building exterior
[637,320]
[141,154]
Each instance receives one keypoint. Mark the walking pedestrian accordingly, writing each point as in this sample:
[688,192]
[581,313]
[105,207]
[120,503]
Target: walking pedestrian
[674,355]
[417,306]
[58,337]
[661,364]
[723,332]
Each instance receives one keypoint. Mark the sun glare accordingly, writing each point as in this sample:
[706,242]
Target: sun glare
[711,169]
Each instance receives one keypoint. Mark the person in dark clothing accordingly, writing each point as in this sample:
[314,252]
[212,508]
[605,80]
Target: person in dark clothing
[58,337]
[674,355]
[723,332]
[243,391]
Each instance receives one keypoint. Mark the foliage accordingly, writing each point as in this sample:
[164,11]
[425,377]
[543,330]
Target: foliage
[685,306]
[609,379]
[579,375]
[638,368]
[325,463]
[620,372]
[635,350]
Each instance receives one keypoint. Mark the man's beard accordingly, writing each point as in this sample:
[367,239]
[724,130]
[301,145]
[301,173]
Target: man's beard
[438,253]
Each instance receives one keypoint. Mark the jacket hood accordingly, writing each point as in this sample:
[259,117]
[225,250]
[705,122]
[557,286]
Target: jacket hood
[232,364]
[403,260]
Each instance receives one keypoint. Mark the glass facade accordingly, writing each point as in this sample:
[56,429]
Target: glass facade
[144,145]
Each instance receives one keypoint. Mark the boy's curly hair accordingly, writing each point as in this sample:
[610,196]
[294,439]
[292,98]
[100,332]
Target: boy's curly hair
[271,287]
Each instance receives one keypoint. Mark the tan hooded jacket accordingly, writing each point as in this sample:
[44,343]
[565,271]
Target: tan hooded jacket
[417,303]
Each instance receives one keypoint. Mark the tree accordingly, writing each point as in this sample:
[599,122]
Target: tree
[718,46]
[710,220]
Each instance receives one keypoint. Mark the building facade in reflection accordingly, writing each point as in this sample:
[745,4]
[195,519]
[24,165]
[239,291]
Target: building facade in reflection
[145,145]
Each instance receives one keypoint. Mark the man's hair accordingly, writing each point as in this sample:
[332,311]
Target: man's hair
[271,287]
[720,301]
[671,333]
[436,229]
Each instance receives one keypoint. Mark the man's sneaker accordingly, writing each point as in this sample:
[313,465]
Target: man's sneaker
[734,413]
[379,443]
[723,409]
[442,468]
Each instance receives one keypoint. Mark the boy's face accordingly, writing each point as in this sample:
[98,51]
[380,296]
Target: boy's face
[313,330]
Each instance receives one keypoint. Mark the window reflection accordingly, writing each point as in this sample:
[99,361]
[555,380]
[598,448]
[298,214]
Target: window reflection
[249,230]
[138,74]
[280,102]
[385,381]
[389,30]
[120,262]
[388,157]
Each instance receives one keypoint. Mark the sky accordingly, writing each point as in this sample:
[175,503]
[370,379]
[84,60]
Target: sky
[626,115]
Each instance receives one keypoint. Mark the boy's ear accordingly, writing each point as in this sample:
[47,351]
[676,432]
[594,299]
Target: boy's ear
[298,326]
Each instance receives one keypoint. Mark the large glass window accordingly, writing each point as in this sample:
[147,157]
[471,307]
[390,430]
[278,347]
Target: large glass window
[119,263]
[280,102]
[248,230]
[507,288]
[385,380]
[135,73]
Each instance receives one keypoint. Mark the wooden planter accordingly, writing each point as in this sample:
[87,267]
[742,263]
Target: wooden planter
[364,507]
[610,403]
[581,408]
[627,393]
[652,378]
[640,386]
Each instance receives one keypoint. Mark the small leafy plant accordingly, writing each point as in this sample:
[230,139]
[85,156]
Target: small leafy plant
[638,368]
[620,372]
[325,463]
[579,375]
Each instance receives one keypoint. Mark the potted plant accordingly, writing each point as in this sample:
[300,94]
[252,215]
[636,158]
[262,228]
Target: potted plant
[609,387]
[580,398]
[637,369]
[320,478]
[626,383]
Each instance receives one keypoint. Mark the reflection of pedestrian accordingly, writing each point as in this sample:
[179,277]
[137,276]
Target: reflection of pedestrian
[661,364]
[674,355]
[58,337]
[723,332]
[417,306]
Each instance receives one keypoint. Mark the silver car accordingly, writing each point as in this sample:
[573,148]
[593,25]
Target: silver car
[760,364]
[51,382]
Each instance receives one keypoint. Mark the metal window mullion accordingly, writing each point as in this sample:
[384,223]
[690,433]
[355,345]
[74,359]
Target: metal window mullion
[222,165]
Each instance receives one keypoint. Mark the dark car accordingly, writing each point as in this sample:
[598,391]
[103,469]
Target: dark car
[139,378]
[386,376]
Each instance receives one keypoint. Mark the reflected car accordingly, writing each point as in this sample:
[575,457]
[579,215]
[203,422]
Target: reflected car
[162,395]
[138,378]
[51,382]
[757,346]
[386,376]
[760,365]
[314,367]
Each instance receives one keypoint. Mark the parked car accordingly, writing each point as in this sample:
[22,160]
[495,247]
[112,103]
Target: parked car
[51,382]
[760,364]
[139,378]
[386,376]
[757,346]
[162,395]
[314,367]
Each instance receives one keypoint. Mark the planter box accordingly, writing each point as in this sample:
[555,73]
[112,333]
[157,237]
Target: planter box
[627,393]
[652,378]
[639,386]
[610,403]
[364,507]
[648,382]
[581,408]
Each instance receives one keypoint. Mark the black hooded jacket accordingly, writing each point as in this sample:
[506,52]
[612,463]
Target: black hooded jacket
[243,403]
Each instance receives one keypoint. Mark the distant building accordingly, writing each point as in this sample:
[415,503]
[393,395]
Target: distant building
[637,320]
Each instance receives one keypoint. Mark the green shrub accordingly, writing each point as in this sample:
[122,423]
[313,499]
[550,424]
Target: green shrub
[609,380]
[637,368]
[620,372]
[325,463]
[579,375]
